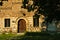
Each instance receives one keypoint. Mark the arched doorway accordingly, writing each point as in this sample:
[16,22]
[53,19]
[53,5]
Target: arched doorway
[21,26]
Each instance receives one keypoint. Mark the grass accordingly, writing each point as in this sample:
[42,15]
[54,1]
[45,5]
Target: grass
[37,36]
[6,36]
[30,36]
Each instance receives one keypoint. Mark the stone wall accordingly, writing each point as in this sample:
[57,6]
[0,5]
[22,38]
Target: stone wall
[12,9]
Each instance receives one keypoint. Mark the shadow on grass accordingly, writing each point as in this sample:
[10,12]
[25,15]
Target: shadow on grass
[37,36]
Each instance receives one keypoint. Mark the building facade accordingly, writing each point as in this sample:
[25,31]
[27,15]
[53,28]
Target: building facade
[15,19]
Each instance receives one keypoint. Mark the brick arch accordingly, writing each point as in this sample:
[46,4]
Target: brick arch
[23,18]
[21,25]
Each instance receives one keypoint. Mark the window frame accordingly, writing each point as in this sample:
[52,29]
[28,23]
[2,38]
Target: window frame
[7,22]
[35,22]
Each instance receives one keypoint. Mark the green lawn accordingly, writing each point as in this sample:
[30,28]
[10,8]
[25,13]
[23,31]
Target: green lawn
[6,36]
[37,36]
[24,37]
[30,36]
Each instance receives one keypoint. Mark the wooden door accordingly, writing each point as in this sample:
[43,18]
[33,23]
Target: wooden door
[21,25]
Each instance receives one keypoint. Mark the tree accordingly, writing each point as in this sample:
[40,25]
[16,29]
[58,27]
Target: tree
[49,8]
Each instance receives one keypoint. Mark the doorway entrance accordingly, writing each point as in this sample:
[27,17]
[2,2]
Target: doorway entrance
[21,26]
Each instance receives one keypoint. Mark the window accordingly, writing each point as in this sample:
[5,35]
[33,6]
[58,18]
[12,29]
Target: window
[1,3]
[36,22]
[7,22]
[4,0]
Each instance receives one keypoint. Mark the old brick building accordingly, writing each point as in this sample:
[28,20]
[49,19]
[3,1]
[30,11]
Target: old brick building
[15,19]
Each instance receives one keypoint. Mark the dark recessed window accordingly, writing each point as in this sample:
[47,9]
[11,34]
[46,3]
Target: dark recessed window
[36,22]
[4,0]
[7,22]
[1,3]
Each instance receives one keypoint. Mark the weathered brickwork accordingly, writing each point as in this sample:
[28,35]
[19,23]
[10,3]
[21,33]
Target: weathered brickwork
[12,9]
